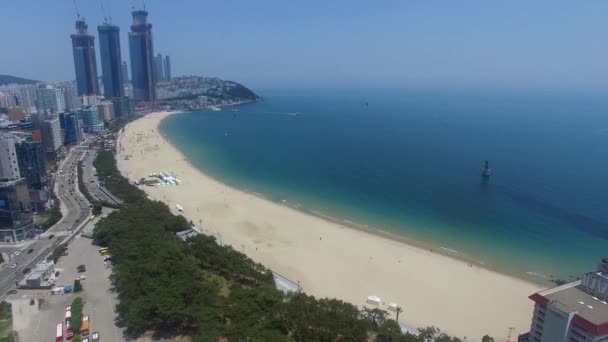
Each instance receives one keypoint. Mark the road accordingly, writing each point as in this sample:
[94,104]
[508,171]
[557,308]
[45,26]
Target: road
[75,210]
[37,323]
[92,182]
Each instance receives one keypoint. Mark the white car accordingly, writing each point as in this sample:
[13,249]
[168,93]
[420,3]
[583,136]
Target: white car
[13,265]
[82,277]
[17,253]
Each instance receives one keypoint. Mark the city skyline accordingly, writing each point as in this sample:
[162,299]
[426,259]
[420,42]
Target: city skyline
[543,44]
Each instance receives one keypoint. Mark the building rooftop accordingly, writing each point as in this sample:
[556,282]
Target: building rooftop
[573,299]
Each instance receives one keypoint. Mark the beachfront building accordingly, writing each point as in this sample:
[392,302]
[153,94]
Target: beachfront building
[167,69]
[143,73]
[574,312]
[111,67]
[106,111]
[158,68]
[85,62]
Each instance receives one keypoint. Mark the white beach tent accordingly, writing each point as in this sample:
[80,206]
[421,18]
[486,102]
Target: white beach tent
[375,300]
[392,307]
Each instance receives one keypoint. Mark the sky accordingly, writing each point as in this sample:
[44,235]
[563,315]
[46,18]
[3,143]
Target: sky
[425,43]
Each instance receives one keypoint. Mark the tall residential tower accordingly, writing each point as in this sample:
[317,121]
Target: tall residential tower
[167,69]
[85,64]
[111,67]
[142,58]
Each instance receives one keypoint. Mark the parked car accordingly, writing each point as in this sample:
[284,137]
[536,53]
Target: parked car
[112,289]
[13,265]
[82,277]
[11,292]
[17,253]
[29,251]
[25,270]
[51,236]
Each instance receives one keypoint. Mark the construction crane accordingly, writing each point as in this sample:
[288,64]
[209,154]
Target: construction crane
[76,9]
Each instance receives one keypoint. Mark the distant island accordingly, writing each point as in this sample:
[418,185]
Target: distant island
[9,79]
[198,92]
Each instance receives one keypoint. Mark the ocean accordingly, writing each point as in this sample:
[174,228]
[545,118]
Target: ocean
[408,162]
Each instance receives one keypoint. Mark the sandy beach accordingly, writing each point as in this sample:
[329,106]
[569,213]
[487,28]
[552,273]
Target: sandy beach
[329,259]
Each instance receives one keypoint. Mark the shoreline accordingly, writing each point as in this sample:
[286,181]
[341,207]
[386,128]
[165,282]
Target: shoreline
[343,228]
[534,279]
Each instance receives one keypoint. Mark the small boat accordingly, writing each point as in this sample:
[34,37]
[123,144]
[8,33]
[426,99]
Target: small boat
[486,171]
[179,208]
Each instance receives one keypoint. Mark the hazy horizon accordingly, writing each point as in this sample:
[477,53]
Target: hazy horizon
[470,44]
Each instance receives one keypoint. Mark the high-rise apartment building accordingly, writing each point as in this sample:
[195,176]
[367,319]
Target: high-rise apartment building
[125,73]
[50,99]
[142,58]
[90,119]
[106,111]
[9,164]
[72,101]
[16,216]
[111,67]
[158,68]
[85,62]
[123,107]
[574,312]
[167,69]
[51,137]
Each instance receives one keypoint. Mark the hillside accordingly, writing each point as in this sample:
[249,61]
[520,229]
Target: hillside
[8,79]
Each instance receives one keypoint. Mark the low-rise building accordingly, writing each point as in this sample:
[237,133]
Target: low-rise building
[41,273]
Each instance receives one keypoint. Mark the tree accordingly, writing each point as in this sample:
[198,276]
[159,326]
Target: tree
[76,318]
[487,338]
[77,338]
[398,310]
[77,286]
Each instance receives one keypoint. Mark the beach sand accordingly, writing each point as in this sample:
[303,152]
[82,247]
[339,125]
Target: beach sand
[329,259]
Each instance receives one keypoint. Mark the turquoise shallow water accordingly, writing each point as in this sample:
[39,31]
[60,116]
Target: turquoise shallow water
[409,163]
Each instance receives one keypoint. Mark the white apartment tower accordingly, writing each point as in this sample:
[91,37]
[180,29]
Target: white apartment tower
[9,165]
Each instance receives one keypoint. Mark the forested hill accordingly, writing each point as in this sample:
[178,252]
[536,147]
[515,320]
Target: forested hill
[8,79]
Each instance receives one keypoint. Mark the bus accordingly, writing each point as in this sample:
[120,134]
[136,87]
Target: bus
[103,250]
[68,315]
[84,328]
[59,333]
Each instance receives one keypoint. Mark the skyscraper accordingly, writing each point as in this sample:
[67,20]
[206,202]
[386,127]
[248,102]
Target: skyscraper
[111,67]
[167,69]
[125,73]
[142,58]
[72,129]
[85,64]
[158,68]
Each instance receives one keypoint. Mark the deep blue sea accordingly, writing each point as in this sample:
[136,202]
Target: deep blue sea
[408,162]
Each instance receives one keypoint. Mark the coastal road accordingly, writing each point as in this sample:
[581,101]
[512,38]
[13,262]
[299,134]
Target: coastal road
[75,210]
[92,182]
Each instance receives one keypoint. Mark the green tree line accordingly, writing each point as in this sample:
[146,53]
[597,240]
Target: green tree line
[213,292]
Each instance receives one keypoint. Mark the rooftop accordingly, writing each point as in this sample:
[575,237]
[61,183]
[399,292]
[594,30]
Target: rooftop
[572,299]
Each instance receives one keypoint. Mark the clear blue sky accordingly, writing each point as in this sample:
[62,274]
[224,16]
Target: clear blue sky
[466,43]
